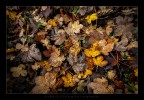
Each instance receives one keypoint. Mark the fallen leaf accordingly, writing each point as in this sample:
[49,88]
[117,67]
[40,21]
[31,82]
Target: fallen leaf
[99,61]
[105,47]
[68,80]
[18,71]
[119,84]
[121,46]
[100,86]
[136,72]
[111,74]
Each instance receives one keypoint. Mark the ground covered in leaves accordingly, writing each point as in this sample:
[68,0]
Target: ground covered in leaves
[75,49]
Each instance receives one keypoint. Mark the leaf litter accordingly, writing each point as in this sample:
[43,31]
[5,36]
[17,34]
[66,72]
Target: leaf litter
[76,49]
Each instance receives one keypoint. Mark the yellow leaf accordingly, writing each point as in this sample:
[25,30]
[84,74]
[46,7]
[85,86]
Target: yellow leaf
[12,15]
[92,17]
[87,52]
[99,61]
[80,75]
[115,40]
[52,22]
[10,50]
[95,53]
[136,72]
[68,80]
[87,72]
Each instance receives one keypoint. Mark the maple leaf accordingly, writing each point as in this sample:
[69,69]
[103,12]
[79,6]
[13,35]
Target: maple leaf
[52,22]
[91,17]
[56,60]
[59,37]
[19,71]
[105,47]
[111,74]
[99,61]
[100,86]
[77,63]
[36,66]
[121,46]
[32,54]
[44,83]
[45,42]
[68,80]
[73,28]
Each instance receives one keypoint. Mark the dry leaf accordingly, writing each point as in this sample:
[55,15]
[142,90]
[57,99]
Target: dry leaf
[121,46]
[73,28]
[19,71]
[106,47]
[100,86]
[119,84]
[136,71]
[56,60]
[59,37]
[36,66]
[45,42]
[111,74]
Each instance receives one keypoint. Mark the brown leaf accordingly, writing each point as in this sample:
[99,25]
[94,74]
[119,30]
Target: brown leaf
[40,36]
[119,84]
[47,53]
[106,47]
[55,49]
[89,62]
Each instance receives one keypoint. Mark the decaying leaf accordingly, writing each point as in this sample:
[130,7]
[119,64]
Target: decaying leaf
[106,47]
[36,66]
[81,86]
[73,28]
[100,86]
[45,42]
[19,71]
[111,74]
[121,46]
[59,37]
[32,54]
[133,44]
[136,72]
[56,60]
[44,83]
[118,84]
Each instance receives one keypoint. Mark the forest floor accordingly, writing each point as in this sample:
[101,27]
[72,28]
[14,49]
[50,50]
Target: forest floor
[72,49]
